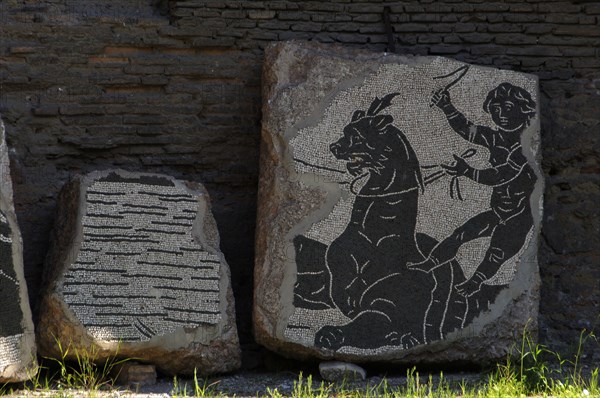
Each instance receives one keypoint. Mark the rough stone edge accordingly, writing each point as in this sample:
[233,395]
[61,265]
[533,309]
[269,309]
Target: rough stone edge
[27,367]
[271,200]
[207,359]
[507,329]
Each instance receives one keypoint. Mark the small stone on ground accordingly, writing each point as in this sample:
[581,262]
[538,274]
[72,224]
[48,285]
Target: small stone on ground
[339,371]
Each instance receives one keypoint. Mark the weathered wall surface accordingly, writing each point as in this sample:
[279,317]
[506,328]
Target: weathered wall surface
[174,87]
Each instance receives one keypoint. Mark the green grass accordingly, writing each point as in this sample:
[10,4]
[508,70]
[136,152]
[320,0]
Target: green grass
[198,388]
[61,377]
[532,370]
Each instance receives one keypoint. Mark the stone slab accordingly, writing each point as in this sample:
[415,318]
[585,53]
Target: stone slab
[135,271]
[399,208]
[17,338]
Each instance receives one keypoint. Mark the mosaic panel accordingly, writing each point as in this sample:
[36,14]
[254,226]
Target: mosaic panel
[433,168]
[139,272]
[11,315]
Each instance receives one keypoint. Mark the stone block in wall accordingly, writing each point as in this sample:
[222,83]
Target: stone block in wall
[17,338]
[399,207]
[135,270]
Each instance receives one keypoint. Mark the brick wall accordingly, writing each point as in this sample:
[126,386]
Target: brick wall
[174,87]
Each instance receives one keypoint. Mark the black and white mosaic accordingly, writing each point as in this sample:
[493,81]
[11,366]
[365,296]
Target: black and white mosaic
[139,272]
[11,330]
[434,209]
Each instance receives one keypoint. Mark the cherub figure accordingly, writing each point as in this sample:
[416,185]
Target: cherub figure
[509,219]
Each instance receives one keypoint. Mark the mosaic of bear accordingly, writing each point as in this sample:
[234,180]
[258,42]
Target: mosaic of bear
[396,287]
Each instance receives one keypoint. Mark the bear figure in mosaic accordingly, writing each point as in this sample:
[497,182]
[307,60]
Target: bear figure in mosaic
[367,278]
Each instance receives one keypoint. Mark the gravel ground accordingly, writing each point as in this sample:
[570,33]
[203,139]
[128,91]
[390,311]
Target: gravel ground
[245,384]
[258,384]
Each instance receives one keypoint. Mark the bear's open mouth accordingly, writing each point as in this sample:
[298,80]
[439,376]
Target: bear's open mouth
[357,158]
[357,162]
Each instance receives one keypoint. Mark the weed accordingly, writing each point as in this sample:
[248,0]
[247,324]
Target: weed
[87,371]
[204,389]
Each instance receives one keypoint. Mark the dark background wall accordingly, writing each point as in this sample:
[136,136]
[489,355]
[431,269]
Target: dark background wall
[174,87]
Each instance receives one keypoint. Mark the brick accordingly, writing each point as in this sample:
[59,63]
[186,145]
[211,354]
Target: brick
[490,7]
[559,7]
[293,16]
[261,14]
[429,39]
[155,80]
[504,27]
[487,50]
[493,19]
[230,32]
[350,38]
[294,35]
[448,18]
[342,27]
[579,51]
[254,5]
[262,35]
[452,39]
[522,19]
[574,30]
[446,49]
[414,8]
[464,28]
[143,70]
[426,17]
[216,42]
[372,29]
[112,50]
[587,20]
[24,50]
[562,18]
[145,119]
[462,7]
[542,51]
[276,25]
[367,18]
[442,28]
[114,79]
[91,120]
[235,14]
[322,6]
[276,5]
[590,42]
[521,8]
[45,110]
[477,38]
[206,13]
[515,39]
[539,29]
[365,8]
[593,9]
[306,27]
[411,27]
[328,17]
[108,61]
[536,62]
[243,24]
[82,110]
[586,63]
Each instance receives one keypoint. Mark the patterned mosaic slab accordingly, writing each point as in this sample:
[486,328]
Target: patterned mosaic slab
[144,267]
[17,344]
[399,206]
